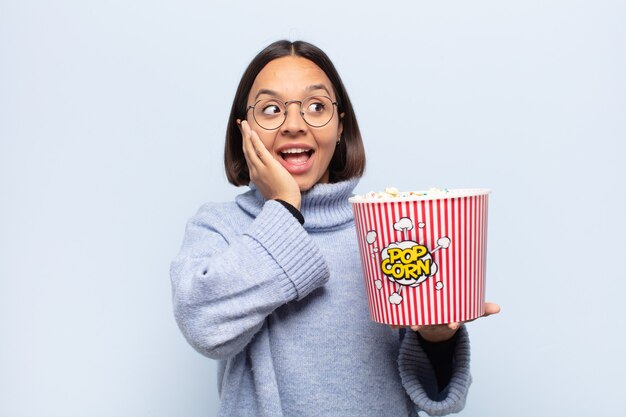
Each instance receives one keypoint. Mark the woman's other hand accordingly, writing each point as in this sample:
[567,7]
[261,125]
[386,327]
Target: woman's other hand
[270,177]
[441,332]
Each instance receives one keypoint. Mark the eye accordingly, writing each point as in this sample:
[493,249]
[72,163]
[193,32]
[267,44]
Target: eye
[271,108]
[316,107]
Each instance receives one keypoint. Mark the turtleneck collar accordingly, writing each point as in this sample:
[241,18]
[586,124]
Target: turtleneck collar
[324,206]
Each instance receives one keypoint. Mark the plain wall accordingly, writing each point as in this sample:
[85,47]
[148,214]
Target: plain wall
[112,119]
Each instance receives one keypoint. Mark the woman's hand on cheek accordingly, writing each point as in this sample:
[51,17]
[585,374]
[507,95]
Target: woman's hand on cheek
[442,332]
[270,177]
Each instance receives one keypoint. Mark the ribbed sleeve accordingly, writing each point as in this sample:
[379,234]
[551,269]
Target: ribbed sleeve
[291,248]
[419,381]
[224,284]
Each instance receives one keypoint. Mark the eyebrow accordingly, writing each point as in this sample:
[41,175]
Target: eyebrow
[265,91]
[273,93]
[314,87]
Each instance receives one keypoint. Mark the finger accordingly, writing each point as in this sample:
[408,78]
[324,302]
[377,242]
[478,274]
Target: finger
[454,325]
[259,147]
[248,148]
[491,308]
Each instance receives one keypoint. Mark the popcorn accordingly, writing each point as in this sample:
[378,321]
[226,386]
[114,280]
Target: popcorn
[392,192]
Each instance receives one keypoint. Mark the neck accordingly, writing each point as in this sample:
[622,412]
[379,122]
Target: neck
[323,206]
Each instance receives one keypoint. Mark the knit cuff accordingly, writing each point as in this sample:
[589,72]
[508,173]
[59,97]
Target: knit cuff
[420,383]
[290,246]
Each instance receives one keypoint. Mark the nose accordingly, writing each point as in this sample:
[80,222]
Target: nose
[294,122]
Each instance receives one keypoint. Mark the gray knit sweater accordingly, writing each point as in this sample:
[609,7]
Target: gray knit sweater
[283,308]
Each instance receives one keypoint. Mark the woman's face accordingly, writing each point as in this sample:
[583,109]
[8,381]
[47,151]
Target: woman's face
[304,151]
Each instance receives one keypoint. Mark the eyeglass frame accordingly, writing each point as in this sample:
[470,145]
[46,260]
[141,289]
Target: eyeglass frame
[287,103]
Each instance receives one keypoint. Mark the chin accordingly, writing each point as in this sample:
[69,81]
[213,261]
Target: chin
[306,185]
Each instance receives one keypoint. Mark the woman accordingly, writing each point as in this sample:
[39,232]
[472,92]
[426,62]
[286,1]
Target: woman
[270,284]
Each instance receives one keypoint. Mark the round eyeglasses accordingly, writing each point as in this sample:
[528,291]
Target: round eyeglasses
[271,113]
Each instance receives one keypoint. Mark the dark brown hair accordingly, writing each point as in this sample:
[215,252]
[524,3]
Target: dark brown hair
[348,160]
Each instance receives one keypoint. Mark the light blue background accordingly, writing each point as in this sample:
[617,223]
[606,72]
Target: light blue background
[112,119]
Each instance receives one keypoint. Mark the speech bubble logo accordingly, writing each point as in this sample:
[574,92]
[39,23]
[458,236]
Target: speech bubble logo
[407,263]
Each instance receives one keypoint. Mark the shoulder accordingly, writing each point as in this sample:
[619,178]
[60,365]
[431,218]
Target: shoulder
[220,216]
[212,208]
[217,211]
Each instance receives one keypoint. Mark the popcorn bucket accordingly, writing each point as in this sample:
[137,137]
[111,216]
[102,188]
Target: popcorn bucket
[423,255]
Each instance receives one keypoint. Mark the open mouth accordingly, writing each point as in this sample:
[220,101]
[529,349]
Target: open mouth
[296,156]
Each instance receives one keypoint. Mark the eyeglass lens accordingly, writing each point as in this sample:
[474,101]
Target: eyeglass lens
[271,113]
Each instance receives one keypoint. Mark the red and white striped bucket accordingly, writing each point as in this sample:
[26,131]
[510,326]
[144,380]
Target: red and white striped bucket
[424,258]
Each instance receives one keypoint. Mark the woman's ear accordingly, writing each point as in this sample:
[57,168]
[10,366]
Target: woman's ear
[239,126]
